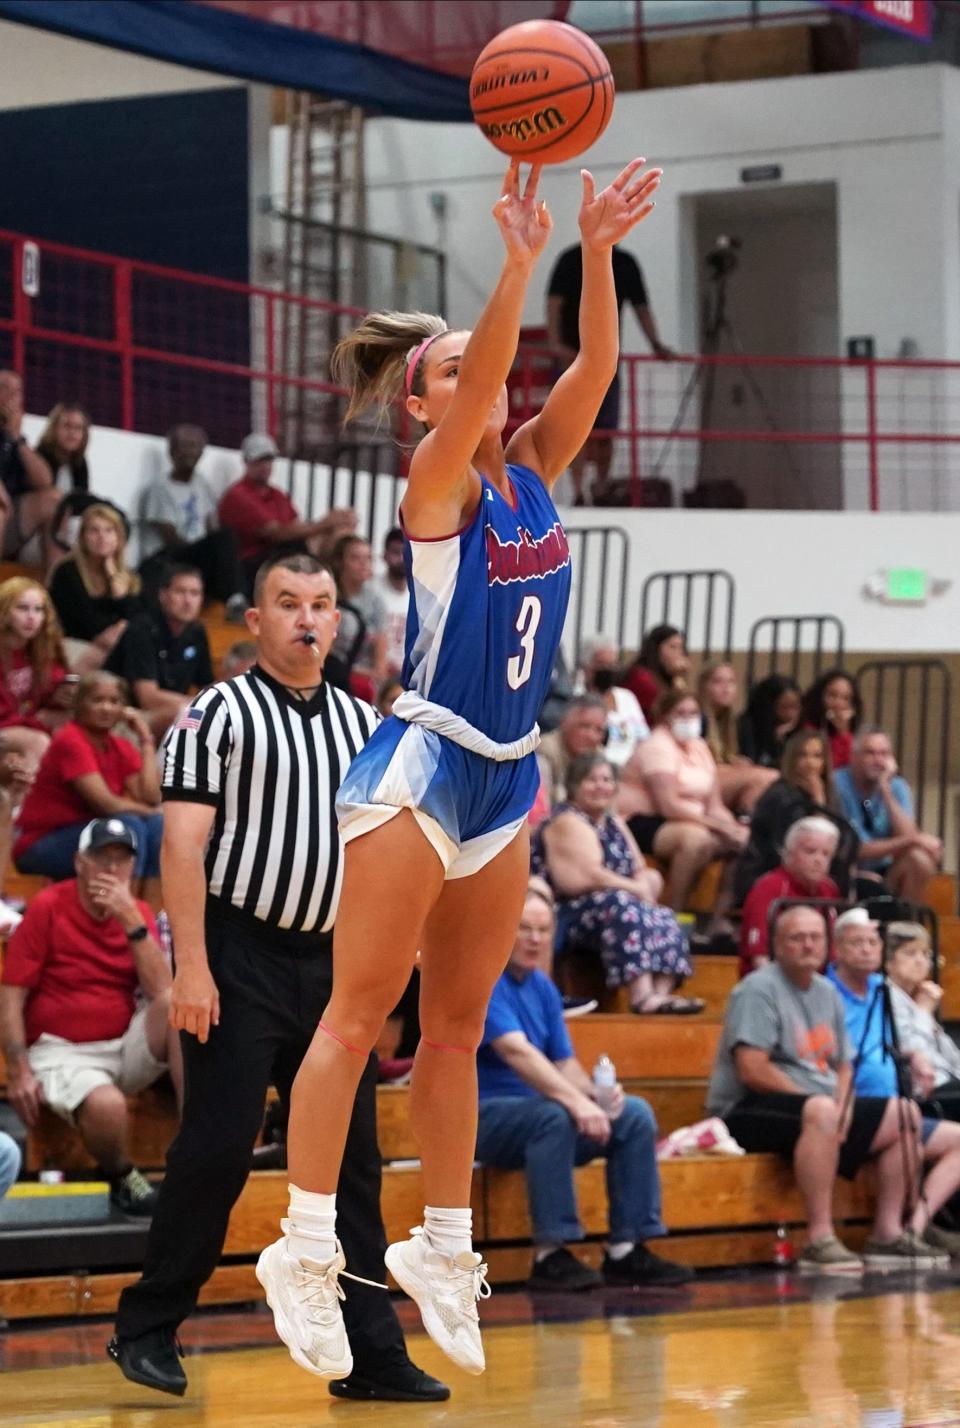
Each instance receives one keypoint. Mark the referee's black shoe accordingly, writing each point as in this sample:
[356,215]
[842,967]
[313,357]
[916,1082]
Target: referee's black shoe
[152,1360]
[397,1383]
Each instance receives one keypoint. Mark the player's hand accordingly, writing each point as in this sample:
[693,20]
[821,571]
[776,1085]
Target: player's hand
[524,223]
[194,1001]
[607,217]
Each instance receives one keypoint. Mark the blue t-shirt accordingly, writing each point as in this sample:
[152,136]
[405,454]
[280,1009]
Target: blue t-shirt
[874,1073]
[529,1003]
[870,816]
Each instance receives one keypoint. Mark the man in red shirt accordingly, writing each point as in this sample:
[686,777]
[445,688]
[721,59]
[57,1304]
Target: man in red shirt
[71,1030]
[808,850]
[264,519]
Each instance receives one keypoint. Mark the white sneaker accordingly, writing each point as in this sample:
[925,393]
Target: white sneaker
[305,1295]
[446,1292]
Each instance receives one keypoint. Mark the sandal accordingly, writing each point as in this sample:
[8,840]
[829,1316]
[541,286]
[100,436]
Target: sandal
[670,1006]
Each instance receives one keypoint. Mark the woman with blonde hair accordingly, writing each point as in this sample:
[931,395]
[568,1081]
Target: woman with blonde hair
[93,591]
[433,810]
[34,697]
[741,780]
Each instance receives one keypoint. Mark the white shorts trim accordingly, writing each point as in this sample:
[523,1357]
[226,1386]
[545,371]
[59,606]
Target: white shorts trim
[69,1070]
[458,862]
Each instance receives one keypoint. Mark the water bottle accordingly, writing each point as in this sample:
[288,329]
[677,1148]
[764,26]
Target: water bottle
[782,1249]
[605,1083]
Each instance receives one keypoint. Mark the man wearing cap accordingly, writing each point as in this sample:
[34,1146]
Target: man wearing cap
[84,1007]
[265,520]
[855,972]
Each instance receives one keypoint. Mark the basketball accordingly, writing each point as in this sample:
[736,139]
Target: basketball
[542,91]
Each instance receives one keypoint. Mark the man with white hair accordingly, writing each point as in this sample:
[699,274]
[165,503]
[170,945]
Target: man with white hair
[855,972]
[808,851]
[600,663]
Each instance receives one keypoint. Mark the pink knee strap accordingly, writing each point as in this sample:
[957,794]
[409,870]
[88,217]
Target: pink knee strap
[345,1044]
[438,1046]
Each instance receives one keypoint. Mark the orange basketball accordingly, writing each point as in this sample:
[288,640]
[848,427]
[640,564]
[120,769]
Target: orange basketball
[542,91]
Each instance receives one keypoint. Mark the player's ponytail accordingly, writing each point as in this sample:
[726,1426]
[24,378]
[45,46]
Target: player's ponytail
[371,361]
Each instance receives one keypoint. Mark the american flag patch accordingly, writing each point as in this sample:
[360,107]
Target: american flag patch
[190,719]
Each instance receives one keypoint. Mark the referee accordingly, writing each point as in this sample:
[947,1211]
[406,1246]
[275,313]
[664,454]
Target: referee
[251,867]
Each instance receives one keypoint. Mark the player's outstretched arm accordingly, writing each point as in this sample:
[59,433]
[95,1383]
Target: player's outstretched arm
[550,440]
[445,453]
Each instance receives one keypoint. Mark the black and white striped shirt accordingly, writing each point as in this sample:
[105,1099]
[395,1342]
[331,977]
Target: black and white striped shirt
[271,765]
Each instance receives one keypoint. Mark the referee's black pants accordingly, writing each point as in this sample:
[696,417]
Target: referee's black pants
[273,988]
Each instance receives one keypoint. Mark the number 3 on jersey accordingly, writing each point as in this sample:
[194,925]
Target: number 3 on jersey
[520,667]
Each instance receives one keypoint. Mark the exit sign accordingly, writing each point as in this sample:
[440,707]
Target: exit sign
[907,586]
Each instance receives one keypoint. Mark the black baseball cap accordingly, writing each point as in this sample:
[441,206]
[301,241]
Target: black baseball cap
[104,832]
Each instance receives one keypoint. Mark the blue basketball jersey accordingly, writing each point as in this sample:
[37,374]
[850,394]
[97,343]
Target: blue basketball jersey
[487,607]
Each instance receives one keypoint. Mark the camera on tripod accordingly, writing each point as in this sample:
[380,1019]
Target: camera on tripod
[722,258]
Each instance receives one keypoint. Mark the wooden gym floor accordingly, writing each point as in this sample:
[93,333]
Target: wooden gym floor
[732,1352]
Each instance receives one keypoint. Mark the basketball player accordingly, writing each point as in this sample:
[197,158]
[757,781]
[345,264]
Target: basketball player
[433,810]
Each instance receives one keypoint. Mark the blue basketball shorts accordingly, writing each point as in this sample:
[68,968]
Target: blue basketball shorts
[468,807]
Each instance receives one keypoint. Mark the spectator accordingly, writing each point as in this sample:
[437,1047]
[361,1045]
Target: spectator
[771,716]
[34,694]
[352,567]
[670,797]
[264,519]
[741,780]
[164,654]
[854,971]
[607,898]
[9,1162]
[238,659]
[781,1082]
[915,999]
[563,334]
[626,724]
[94,593]
[832,704]
[559,694]
[28,498]
[387,695]
[178,526]
[63,446]
[538,1114]
[582,730]
[88,772]
[17,773]
[879,804]
[72,1033]
[804,790]
[392,587]
[808,850]
[662,664]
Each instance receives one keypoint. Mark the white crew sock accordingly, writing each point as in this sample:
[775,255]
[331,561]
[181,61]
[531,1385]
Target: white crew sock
[311,1227]
[448,1231]
[620,1250]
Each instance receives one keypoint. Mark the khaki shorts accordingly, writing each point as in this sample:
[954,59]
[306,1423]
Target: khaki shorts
[69,1070]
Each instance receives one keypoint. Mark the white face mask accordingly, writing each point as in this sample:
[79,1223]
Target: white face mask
[685,729]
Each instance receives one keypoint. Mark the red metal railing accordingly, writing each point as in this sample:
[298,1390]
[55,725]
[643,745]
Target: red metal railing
[806,432]
[143,347]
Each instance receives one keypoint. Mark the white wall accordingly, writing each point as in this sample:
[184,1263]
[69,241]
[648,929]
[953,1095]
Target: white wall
[40,67]
[879,136]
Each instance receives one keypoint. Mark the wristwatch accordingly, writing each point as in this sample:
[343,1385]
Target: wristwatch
[139,934]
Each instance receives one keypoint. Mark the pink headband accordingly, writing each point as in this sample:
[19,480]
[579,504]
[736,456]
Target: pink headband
[413,360]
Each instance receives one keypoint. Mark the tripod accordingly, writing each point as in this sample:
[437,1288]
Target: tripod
[718,325]
[911,1153]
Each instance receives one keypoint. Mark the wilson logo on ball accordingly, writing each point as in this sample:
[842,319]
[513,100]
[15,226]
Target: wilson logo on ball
[528,126]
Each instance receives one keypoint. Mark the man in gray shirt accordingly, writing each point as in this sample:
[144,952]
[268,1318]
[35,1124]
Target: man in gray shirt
[782,1083]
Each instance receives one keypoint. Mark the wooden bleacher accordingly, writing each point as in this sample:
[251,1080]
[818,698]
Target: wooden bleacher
[720,1212]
